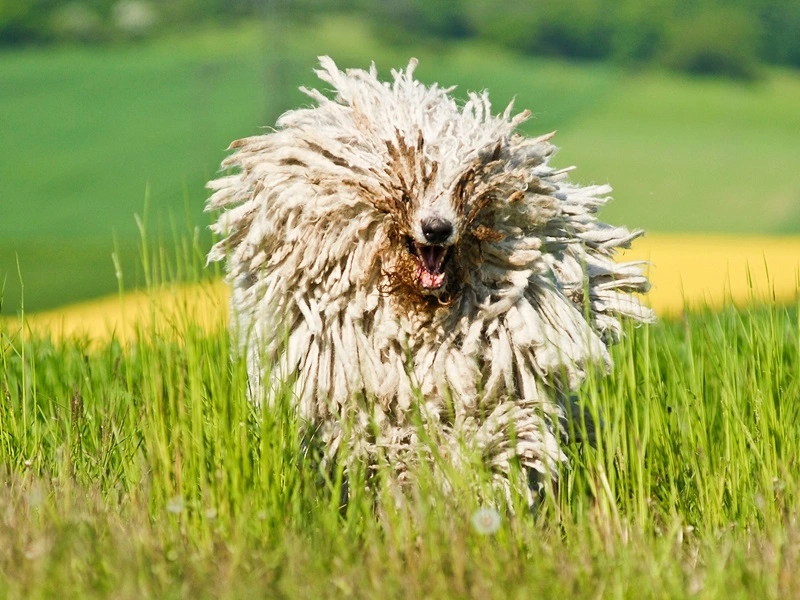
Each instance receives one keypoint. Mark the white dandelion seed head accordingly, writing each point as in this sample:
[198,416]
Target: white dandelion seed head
[175,505]
[486,521]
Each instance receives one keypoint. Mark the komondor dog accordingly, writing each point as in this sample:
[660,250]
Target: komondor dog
[420,277]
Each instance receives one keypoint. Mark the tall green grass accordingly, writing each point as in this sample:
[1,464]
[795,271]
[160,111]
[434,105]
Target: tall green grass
[143,471]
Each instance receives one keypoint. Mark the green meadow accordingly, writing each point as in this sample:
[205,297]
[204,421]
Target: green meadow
[140,469]
[93,136]
[143,471]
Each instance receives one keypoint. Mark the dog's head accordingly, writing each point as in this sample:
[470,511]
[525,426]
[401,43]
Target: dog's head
[443,213]
[398,186]
[444,179]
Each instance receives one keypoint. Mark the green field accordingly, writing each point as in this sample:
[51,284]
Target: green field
[145,473]
[92,135]
[142,471]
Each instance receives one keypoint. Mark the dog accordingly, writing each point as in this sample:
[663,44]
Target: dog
[414,270]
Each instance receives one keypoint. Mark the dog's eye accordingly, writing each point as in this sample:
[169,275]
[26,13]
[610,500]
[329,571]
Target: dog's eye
[405,197]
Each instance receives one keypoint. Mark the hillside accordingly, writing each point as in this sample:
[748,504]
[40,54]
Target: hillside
[93,136]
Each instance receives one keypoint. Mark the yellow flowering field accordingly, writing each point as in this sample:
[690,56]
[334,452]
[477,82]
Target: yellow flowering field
[685,270]
[696,270]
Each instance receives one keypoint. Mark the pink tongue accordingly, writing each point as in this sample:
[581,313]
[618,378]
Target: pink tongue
[430,280]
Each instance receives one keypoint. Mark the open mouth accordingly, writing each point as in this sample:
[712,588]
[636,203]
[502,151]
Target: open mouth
[431,262]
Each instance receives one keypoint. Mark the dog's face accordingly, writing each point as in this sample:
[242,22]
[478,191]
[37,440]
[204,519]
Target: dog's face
[438,215]
[427,253]
[426,238]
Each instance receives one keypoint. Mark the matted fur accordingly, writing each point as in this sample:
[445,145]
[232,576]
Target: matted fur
[323,231]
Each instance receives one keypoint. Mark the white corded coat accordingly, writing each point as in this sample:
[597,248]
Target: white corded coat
[311,219]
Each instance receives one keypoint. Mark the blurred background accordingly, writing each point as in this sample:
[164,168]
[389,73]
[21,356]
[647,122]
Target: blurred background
[114,113]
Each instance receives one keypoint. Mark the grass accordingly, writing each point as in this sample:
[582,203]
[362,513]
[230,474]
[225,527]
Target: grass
[97,135]
[689,155]
[91,135]
[138,469]
[141,470]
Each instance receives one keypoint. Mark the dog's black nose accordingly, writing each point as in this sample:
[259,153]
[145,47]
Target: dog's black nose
[436,230]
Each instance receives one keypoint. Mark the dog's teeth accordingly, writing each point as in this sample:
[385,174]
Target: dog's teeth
[432,257]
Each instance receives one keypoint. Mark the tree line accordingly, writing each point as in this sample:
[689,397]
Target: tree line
[727,37]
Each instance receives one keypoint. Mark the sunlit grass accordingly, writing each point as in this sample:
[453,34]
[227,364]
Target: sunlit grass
[137,468]
[134,466]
